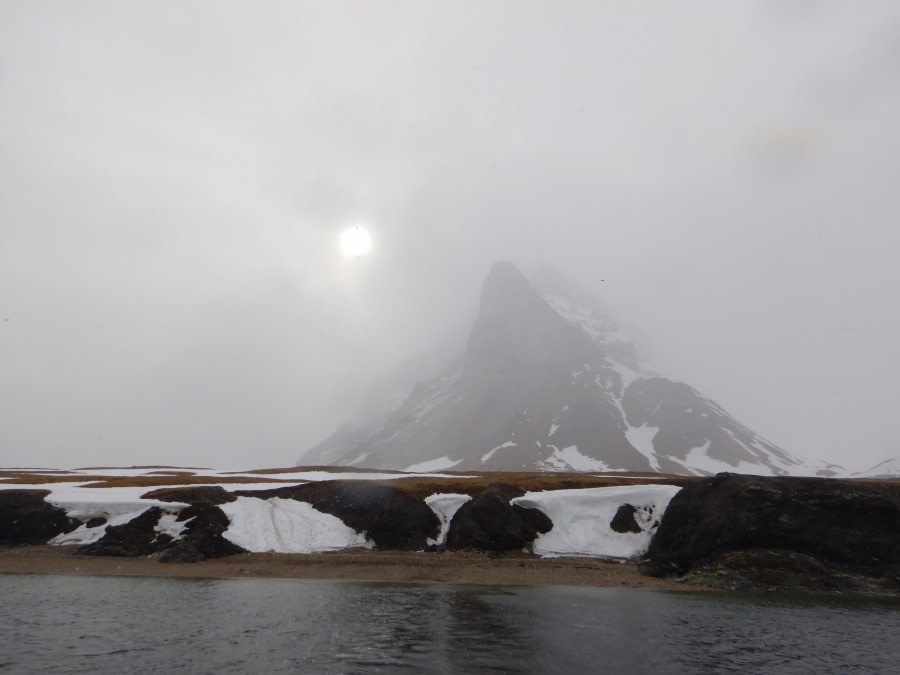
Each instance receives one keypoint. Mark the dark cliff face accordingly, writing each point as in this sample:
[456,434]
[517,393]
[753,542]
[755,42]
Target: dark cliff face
[25,518]
[783,530]
[547,382]
[516,329]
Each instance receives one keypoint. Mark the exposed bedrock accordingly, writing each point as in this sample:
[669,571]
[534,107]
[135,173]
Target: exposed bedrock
[202,538]
[490,523]
[194,494]
[137,537]
[754,531]
[205,524]
[25,518]
[390,518]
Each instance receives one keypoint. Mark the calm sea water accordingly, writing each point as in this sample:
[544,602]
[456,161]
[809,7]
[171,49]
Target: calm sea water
[116,625]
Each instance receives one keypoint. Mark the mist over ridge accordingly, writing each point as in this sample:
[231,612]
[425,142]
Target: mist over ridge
[174,184]
[548,383]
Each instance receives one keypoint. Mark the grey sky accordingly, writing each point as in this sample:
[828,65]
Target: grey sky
[174,178]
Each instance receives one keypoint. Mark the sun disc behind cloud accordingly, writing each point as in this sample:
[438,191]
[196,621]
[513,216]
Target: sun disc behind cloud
[355,242]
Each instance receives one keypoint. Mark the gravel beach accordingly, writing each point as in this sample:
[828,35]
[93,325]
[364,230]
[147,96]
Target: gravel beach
[459,567]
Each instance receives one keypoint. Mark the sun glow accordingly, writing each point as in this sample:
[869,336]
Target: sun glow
[355,242]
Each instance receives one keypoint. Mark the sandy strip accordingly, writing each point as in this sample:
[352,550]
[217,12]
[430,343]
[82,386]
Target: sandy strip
[460,567]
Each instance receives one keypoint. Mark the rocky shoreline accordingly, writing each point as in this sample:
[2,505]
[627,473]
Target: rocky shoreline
[456,567]
[730,531]
[787,534]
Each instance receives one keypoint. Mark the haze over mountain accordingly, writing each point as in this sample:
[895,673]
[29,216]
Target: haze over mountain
[547,382]
[172,285]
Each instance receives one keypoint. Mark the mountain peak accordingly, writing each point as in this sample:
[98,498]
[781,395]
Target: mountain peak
[507,291]
[515,327]
[548,383]
[504,268]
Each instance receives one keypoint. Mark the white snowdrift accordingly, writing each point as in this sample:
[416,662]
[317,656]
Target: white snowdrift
[581,519]
[569,459]
[439,464]
[445,505]
[287,526]
[699,463]
[118,505]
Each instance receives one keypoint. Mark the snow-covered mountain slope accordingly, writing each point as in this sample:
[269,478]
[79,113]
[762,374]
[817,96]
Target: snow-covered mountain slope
[890,468]
[549,383]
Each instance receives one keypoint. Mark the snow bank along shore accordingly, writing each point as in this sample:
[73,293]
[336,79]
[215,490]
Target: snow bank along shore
[728,531]
[317,511]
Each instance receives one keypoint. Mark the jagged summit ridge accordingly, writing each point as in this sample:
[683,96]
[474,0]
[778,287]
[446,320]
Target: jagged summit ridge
[547,382]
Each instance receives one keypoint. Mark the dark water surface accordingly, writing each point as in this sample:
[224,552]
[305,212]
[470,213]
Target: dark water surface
[144,625]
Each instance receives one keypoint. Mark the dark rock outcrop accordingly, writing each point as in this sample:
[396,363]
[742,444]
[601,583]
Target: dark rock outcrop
[25,518]
[760,525]
[624,520]
[194,494]
[387,516]
[137,537]
[203,538]
[490,523]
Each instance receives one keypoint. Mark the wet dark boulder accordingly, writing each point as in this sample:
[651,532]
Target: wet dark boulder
[625,521]
[850,527]
[490,523]
[390,518]
[26,518]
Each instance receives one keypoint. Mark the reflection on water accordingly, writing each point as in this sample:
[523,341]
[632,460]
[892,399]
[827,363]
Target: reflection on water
[95,624]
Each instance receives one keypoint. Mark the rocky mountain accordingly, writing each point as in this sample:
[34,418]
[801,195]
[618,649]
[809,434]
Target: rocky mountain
[547,382]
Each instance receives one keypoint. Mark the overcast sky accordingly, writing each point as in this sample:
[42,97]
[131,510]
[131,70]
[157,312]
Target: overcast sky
[174,177]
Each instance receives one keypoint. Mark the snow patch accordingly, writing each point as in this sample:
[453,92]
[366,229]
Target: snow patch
[627,374]
[641,439]
[360,457]
[438,464]
[698,462]
[81,501]
[88,535]
[553,428]
[581,519]
[118,505]
[600,328]
[490,453]
[170,525]
[287,526]
[445,506]
[570,458]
